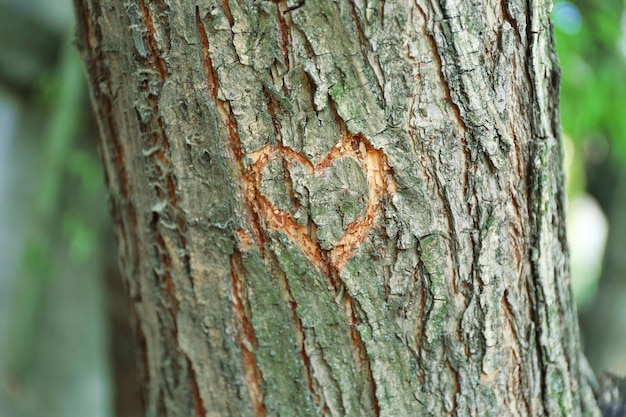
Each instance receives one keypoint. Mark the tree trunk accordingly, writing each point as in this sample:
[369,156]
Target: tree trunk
[339,208]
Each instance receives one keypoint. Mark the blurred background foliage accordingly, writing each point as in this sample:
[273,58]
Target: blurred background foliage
[591,43]
[65,344]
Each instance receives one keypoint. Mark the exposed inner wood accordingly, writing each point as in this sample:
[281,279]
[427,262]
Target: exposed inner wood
[379,181]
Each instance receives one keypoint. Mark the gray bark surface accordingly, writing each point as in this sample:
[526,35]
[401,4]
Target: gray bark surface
[349,208]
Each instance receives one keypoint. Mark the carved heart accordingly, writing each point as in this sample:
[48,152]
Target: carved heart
[372,161]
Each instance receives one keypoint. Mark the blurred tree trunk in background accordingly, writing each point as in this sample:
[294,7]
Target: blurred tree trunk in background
[126,401]
[604,320]
[54,229]
[28,47]
[336,208]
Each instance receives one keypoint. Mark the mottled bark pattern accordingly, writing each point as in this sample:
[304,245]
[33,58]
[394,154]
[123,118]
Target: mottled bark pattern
[339,208]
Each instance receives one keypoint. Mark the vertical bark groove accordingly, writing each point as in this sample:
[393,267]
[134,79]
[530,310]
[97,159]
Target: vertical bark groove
[245,337]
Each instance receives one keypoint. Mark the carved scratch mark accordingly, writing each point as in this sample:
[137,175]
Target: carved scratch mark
[377,170]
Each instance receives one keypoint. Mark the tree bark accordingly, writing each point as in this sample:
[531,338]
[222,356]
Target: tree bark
[339,208]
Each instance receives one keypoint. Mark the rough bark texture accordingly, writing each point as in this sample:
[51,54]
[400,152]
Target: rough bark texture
[339,208]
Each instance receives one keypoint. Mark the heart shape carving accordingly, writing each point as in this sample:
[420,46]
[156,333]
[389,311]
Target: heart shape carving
[372,161]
